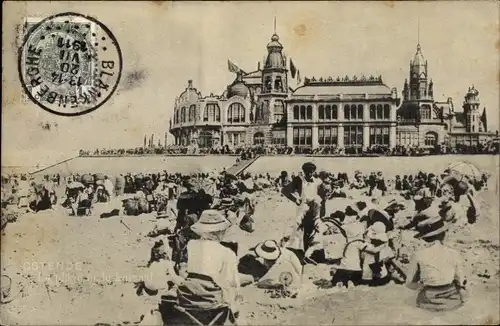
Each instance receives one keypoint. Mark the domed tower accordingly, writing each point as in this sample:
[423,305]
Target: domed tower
[274,73]
[419,85]
[471,110]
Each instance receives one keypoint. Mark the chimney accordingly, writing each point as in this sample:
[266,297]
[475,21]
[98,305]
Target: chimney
[258,65]
[190,83]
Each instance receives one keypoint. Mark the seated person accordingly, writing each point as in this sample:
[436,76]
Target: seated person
[438,268]
[348,269]
[42,199]
[212,281]
[269,266]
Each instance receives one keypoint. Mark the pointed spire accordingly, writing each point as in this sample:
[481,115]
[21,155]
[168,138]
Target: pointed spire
[274,23]
[418,33]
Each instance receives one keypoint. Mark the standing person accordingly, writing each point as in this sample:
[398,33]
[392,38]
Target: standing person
[306,195]
[108,187]
[186,203]
[120,185]
[438,268]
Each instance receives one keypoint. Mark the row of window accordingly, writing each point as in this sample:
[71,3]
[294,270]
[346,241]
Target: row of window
[407,139]
[353,136]
[236,113]
[411,139]
[351,112]
[236,138]
[279,137]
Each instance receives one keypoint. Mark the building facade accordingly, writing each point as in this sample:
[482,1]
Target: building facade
[424,122]
[343,113]
[259,108]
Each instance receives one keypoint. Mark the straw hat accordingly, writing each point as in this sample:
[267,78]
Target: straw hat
[268,250]
[431,226]
[210,221]
[377,231]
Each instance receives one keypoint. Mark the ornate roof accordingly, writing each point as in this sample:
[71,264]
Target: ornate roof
[418,59]
[190,94]
[238,88]
[346,85]
[274,58]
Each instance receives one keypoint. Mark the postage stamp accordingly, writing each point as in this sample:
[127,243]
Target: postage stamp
[69,64]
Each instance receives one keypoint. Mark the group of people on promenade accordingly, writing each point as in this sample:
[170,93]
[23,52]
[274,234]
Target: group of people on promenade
[399,150]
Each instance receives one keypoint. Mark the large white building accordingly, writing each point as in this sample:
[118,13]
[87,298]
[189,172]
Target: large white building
[352,113]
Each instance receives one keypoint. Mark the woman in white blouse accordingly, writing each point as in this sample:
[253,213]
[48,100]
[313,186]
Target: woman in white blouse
[436,267]
[212,282]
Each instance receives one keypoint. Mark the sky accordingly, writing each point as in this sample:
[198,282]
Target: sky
[166,44]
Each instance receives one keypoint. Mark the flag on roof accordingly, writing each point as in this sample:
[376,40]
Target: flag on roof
[232,67]
[483,120]
[293,69]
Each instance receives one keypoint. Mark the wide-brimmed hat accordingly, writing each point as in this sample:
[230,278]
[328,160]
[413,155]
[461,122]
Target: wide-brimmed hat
[268,250]
[431,226]
[377,231]
[309,167]
[210,221]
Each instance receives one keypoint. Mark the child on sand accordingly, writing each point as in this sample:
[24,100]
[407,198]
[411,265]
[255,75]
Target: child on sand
[348,271]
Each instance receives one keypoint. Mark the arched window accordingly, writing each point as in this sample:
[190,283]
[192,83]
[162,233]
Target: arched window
[183,114]
[309,114]
[296,112]
[279,111]
[360,112]
[354,112]
[278,85]
[347,115]
[212,112]
[425,112]
[335,114]
[302,112]
[321,112]
[176,116]
[236,113]
[192,113]
[430,139]
[328,112]
[387,112]
[373,112]
[258,138]
[380,112]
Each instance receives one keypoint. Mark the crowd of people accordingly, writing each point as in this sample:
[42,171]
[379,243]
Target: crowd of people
[375,150]
[201,274]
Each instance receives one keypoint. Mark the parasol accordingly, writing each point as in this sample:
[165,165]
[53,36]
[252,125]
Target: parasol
[466,169]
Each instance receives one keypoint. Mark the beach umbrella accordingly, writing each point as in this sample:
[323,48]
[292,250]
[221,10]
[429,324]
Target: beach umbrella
[465,169]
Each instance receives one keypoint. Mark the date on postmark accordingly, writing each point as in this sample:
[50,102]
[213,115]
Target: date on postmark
[69,64]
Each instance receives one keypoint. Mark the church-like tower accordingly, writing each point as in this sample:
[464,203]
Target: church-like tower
[419,87]
[471,104]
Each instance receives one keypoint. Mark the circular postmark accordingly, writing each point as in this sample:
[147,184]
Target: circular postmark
[70,64]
